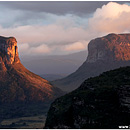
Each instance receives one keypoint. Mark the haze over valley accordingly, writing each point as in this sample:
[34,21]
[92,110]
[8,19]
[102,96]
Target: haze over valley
[54,64]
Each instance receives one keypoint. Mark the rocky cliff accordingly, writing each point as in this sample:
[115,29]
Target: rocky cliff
[22,93]
[101,102]
[104,53]
[111,48]
[16,82]
[8,46]
[8,52]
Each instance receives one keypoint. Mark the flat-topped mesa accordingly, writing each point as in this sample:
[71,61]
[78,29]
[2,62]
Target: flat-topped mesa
[17,84]
[104,54]
[8,50]
[113,47]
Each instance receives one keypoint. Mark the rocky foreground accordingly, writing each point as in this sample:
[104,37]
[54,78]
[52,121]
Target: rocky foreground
[100,102]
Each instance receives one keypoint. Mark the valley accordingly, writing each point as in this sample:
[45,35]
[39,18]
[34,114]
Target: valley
[64,64]
[30,101]
[33,122]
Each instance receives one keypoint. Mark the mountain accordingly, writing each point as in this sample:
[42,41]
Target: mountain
[102,102]
[104,53]
[17,84]
[54,64]
[51,77]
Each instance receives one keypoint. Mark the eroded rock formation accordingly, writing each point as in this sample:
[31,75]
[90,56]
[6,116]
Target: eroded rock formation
[17,84]
[111,48]
[104,53]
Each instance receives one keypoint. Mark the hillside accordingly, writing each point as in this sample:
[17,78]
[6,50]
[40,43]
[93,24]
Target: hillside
[16,82]
[100,102]
[104,53]
[19,87]
[51,77]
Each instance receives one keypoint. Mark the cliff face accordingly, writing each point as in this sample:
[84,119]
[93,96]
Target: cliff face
[8,52]
[111,48]
[105,53]
[101,102]
[17,84]
[8,47]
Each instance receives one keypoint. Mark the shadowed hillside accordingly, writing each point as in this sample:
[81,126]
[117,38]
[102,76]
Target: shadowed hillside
[100,102]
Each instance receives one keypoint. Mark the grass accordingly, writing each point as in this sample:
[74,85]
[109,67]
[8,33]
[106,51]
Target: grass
[35,122]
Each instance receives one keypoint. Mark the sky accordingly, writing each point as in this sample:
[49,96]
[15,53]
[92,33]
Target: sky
[62,27]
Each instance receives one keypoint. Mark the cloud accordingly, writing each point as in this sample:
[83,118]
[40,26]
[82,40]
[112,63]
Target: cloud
[23,47]
[37,36]
[55,7]
[76,46]
[61,34]
[112,17]
[40,49]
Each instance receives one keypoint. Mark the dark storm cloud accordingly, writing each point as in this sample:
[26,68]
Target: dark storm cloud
[57,7]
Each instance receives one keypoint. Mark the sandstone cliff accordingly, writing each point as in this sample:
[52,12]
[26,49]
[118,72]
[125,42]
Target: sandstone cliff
[17,84]
[8,52]
[22,93]
[111,48]
[104,53]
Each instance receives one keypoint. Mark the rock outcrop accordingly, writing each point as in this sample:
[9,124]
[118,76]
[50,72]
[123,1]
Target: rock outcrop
[22,93]
[101,102]
[8,47]
[17,84]
[8,52]
[111,48]
[104,53]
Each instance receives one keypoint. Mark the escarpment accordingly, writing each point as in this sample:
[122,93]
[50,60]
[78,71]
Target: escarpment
[17,84]
[110,48]
[104,53]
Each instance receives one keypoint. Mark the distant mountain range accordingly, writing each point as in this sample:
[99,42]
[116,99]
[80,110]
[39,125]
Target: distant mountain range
[51,77]
[104,53]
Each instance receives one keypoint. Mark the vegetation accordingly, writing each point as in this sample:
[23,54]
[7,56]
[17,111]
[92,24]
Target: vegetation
[33,122]
[100,102]
[19,110]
